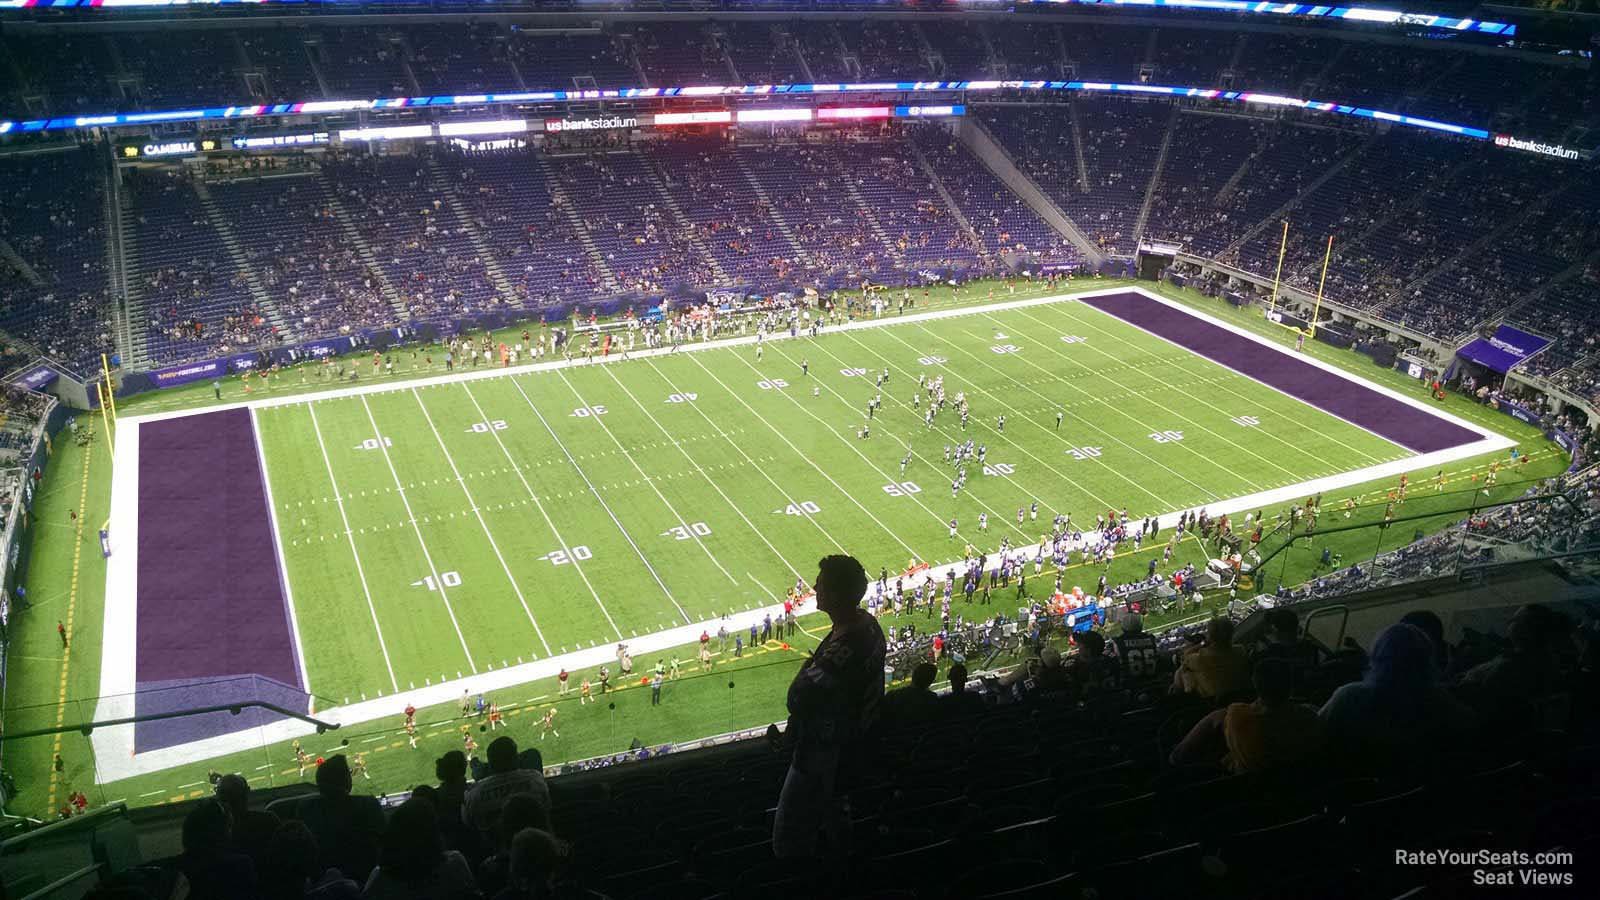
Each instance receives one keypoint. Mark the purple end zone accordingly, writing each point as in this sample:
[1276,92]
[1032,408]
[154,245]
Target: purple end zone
[212,605]
[1410,427]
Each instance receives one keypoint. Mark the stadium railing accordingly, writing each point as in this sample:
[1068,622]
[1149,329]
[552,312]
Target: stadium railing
[86,746]
[1432,535]
[65,859]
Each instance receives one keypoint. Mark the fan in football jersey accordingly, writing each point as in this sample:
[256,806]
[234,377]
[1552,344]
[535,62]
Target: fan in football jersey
[1136,651]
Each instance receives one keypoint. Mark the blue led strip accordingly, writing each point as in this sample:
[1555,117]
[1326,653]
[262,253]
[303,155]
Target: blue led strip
[1350,13]
[316,107]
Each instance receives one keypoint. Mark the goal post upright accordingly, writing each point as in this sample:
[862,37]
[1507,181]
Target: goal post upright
[1283,245]
[1317,310]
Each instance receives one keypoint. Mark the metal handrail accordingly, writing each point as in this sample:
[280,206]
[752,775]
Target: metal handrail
[1365,526]
[234,708]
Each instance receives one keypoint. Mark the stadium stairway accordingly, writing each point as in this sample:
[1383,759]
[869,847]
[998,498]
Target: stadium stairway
[463,221]
[364,250]
[242,262]
[944,194]
[989,151]
[1278,214]
[871,218]
[1471,251]
[778,220]
[560,200]
[1155,177]
[659,182]
[1077,145]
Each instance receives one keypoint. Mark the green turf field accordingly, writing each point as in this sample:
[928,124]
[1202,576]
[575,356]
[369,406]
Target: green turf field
[502,520]
[776,476]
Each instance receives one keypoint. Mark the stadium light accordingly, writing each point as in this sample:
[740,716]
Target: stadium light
[487,126]
[774,115]
[710,117]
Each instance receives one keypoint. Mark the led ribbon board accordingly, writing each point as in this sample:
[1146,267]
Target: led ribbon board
[722,116]
[1349,13]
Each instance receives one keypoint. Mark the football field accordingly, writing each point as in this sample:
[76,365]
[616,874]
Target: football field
[502,520]
[474,530]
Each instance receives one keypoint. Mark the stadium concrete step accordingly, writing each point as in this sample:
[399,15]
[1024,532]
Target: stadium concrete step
[1471,251]
[671,203]
[1155,177]
[872,221]
[559,200]
[364,250]
[944,194]
[463,221]
[1077,146]
[777,215]
[230,240]
[9,254]
[983,145]
[1277,215]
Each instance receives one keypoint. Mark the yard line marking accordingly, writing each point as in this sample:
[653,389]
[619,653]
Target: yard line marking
[856,450]
[565,548]
[1114,470]
[493,545]
[1003,516]
[1177,386]
[603,504]
[1204,493]
[798,452]
[1198,454]
[709,480]
[283,565]
[417,529]
[361,572]
[999,516]
[1237,375]
[683,521]
[786,495]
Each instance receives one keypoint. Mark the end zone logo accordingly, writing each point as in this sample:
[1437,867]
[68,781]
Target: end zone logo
[1555,150]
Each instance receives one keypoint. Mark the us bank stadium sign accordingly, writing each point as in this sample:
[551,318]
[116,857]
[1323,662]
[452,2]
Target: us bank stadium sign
[1556,150]
[592,123]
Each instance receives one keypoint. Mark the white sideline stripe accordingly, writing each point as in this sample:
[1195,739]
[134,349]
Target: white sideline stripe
[472,502]
[517,468]
[283,565]
[683,521]
[1176,386]
[120,762]
[1225,387]
[350,536]
[417,528]
[1312,360]
[114,756]
[459,376]
[118,663]
[603,504]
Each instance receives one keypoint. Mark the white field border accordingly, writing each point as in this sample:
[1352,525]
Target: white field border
[113,746]
[283,564]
